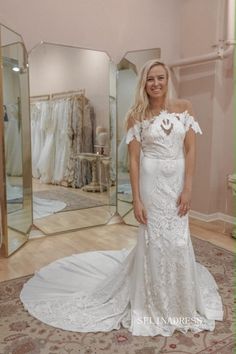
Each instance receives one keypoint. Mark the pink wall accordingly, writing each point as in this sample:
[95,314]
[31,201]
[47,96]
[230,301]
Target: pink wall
[226,135]
[197,85]
[109,25]
[210,88]
[214,152]
[199,26]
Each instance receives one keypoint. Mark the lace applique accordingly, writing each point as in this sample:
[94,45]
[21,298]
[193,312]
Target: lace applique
[166,121]
[189,122]
[134,133]
[167,126]
[100,310]
[162,309]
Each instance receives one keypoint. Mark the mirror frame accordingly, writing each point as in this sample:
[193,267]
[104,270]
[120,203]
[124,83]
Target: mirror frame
[3,199]
[112,88]
[5,249]
[115,217]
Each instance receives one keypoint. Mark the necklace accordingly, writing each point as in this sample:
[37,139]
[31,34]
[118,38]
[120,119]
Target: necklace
[157,113]
[154,114]
[162,108]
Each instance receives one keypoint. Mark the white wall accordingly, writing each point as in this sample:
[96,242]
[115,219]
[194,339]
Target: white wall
[139,58]
[11,88]
[12,55]
[58,68]
[127,81]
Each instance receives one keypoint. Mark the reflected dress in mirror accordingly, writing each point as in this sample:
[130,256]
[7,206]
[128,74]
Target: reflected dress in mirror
[154,288]
[13,145]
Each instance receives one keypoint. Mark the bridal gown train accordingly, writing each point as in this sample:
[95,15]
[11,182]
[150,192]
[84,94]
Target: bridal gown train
[157,286]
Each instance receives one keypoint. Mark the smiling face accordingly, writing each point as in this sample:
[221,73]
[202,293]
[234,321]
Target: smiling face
[156,83]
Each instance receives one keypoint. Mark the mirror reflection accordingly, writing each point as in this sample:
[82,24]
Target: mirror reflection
[72,139]
[12,127]
[17,218]
[127,78]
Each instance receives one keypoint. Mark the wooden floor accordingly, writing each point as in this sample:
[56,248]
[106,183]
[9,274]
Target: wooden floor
[216,232]
[40,251]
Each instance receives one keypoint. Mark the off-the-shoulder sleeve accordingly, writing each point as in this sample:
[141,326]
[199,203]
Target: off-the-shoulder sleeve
[133,133]
[190,122]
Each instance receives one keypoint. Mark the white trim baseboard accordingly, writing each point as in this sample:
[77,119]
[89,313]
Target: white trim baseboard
[212,217]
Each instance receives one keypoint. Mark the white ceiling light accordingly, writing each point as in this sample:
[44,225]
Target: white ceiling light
[15,68]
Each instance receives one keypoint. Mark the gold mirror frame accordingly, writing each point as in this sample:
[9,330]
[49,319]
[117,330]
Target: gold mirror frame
[125,63]
[15,226]
[45,223]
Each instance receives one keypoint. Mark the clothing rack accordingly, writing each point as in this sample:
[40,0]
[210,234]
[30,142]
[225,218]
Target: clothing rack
[64,94]
[68,94]
[40,98]
[57,95]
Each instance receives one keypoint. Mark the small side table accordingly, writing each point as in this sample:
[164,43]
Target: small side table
[95,159]
[105,160]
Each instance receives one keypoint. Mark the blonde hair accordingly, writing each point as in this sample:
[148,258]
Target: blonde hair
[140,108]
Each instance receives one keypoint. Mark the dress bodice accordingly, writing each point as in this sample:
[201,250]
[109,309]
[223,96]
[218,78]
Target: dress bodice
[162,137]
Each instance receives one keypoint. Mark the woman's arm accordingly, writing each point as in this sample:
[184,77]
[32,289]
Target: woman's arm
[190,158]
[134,157]
[134,148]
[190,153]
[184,199]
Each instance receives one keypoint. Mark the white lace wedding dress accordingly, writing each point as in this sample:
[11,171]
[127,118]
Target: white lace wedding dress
[154,288]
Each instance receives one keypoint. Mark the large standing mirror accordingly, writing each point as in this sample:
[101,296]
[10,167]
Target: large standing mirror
[16,191]
[73,125]
[127,77]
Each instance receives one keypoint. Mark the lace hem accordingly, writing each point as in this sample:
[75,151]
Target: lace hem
[116,302]
[167,327]
[81,318]
[74,314]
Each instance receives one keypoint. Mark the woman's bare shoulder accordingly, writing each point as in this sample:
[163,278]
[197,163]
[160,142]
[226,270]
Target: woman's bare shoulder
[180,105]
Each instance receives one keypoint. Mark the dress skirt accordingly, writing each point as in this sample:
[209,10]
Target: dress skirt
[154,288]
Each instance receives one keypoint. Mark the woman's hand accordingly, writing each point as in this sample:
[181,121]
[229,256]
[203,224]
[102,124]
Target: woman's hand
[184,201]
[140,212]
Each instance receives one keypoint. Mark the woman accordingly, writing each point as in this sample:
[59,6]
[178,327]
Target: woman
[156,287]
[151,103]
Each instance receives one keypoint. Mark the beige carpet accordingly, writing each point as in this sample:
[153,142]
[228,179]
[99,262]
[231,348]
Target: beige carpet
[73,200]
[22,334]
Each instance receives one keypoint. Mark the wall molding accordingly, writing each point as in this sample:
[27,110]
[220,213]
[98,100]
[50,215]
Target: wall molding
[212,217]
